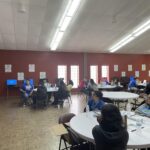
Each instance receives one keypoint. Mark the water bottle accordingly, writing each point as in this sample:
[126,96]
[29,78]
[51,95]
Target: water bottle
[87,110]
[128,109]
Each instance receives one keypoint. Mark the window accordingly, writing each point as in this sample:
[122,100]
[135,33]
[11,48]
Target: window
[105,72]
[62,72]
[75,75]
[94,73]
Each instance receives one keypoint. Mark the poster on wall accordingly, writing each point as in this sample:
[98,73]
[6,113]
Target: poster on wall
[137,73]
[115,67]
[143,67]
[42,75]
[129,67]
[31,67]
[149,73]
[20,76]
[8,68]
[123,73]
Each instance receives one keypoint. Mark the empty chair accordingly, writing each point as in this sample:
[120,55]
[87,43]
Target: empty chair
[71,138]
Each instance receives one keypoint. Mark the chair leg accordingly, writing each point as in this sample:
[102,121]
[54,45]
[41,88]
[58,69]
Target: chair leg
[70,99]
[60,143]
[65,145]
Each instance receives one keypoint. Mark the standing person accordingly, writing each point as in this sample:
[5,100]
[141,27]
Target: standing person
[26,91]
[132,84]
[96,101]
[110,134]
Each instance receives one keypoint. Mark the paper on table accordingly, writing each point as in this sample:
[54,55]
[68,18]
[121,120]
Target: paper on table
[59,129]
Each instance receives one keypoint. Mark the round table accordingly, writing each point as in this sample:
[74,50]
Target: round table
[83,124]
[118,95]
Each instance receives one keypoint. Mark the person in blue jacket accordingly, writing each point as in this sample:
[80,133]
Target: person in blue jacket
[96,101]
[26,91]
[132,83]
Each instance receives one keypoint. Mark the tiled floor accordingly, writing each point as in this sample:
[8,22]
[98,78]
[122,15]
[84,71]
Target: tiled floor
[27,129]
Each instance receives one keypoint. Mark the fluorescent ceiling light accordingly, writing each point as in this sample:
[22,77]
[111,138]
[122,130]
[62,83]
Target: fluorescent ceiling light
[119,43]
[70,10]
[147,23]
[65,23]
[65,13]
[73,7]
[141,31]
[54,46]
[57,38]
[135,33]
[122,44]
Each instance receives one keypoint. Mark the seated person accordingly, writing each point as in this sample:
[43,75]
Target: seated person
[110,134]
[69,86]
[144,109]
[92,86]
[83,86]
[26,91]
[147,89]
[40,97]
[61,94]
[96,101]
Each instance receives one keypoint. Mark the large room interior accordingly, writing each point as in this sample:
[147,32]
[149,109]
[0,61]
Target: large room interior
[46,39]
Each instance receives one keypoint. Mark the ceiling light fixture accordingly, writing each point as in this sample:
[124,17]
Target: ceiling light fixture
[134,34]
[67,16]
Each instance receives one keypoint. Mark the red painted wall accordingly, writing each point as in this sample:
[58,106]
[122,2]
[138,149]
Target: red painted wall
[122,60]
[48,61]
[44,61]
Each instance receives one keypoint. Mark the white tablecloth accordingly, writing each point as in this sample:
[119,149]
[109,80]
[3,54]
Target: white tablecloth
[49,89]
[84,123]
[117,95]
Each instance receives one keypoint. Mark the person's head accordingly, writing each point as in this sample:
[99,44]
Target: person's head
[97,95]
[71,82]
[27,82]
[92,81]
[111,118]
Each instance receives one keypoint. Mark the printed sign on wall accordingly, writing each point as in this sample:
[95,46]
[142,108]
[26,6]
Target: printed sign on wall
[8,68]
[123,73]
[129,67]
[42,75]
[115,67]
[20,76]
[31,67]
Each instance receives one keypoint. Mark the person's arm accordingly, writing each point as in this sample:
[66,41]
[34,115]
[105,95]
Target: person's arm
[31,91]
[23,89]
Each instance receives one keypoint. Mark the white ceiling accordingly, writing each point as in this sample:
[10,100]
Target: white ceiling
[97,25]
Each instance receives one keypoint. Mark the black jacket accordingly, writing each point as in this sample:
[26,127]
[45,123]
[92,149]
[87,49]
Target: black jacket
[110,140]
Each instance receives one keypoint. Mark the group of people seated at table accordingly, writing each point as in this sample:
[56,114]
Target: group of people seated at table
[111,133]
[87,86]
[27,92]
